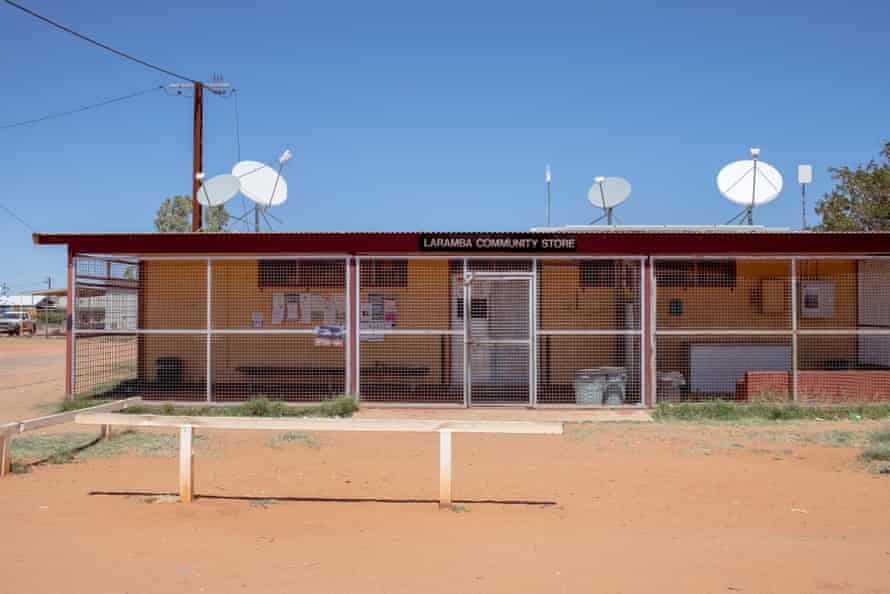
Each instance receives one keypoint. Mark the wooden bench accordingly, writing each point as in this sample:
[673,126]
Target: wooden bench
[187,426]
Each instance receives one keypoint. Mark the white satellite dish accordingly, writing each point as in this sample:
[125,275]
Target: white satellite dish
[218,190]
[750,182]
[261,183]
[607,193]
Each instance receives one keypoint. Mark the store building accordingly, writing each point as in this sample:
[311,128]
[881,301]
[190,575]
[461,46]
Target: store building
[574,317]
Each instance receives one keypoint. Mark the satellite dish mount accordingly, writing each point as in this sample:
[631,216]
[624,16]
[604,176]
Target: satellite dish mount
[749,183]
[607,193]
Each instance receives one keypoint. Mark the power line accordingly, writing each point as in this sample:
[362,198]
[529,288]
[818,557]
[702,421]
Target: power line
[18,218]
[98,43]
[80,109]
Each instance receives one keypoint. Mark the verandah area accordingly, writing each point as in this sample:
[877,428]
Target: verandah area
[392,329]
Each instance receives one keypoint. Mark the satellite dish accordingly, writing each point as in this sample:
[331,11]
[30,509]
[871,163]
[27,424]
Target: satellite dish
[261,183]
[607,193]
[218,190]
[750,182]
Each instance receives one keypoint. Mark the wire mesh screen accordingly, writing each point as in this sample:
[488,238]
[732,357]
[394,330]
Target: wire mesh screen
[589,370]
[723,294]
[402,368]
[295,367]
[279,328]
[726,367]
[106,294]
[106,365]
[499,337]
[173,366]
[589,295]
[411,330]
[589,332]
[843,368]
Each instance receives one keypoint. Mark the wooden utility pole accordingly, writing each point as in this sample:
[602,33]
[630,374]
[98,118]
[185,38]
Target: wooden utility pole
[197,160]
[218,88]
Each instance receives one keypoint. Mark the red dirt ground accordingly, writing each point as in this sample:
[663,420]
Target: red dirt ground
[648,507]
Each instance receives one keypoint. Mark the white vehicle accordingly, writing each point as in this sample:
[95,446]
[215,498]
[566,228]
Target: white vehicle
[17,322]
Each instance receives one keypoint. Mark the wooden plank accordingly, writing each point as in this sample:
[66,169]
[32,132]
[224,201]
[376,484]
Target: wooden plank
[68,417]
[5,445]
[323,424]
[186,468]
[9,429]
[444,469]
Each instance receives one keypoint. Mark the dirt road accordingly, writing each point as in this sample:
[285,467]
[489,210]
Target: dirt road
[615,507]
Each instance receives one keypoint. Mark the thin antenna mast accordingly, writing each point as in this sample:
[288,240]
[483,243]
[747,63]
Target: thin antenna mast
[547,180]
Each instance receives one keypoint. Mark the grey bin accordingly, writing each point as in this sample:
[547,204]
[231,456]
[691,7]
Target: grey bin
[600,385]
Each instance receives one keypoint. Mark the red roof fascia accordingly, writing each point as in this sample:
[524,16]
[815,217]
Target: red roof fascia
[606,243]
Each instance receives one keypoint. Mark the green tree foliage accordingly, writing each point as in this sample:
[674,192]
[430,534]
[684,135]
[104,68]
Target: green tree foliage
[860,200]
[175,216]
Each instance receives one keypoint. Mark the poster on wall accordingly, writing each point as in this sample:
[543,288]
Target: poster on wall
[329,336]
[277,308]
[256,319]
[292,303]
[379,312]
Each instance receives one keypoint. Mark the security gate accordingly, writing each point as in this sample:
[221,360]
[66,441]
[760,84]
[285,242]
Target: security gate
[499,338]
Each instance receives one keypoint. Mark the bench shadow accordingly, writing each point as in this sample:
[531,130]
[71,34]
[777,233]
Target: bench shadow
[527,502]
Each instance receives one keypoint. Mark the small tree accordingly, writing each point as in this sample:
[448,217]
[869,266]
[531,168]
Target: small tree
[175,216]
[860,201]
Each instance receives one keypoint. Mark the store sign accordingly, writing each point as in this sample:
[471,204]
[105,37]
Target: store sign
[496,242]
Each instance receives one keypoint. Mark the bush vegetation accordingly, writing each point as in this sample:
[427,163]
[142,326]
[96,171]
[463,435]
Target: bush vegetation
[721,410]
[344,406]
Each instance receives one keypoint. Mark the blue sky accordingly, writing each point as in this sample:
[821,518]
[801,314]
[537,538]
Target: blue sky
[434,116]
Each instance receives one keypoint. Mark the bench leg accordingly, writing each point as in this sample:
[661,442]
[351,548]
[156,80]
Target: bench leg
[444,469]
[186,469]
[5,444]
[106,431]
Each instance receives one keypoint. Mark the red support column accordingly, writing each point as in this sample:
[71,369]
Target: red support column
[69,321]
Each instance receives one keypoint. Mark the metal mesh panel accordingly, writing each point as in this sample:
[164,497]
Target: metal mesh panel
[403,368]
[723,294]
[173,366]
[295,367]
[106,294]
[589,295]
[411,330]
[726,367]
[105,365]
[499,334]
[400,294]
[589,370]
[843,368]
[273,294]
[843,294]
[174,295]
[154,366]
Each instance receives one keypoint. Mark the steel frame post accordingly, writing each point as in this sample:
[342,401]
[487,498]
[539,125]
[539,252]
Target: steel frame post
[358,325]
[209,379]
[69,336]
[466,321]
[794,331]
[651,341]
[349,269]
[533,335]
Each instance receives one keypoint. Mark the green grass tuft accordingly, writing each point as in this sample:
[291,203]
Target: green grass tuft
[344,406]
[720,410]
[879,446]
[263,503]
[310,440]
